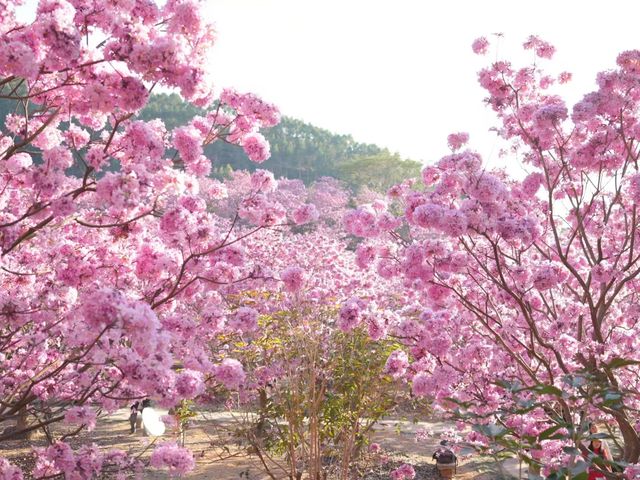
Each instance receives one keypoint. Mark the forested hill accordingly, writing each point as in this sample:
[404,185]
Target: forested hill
[298,150]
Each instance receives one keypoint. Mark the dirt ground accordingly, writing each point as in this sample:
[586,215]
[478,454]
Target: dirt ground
[220,457]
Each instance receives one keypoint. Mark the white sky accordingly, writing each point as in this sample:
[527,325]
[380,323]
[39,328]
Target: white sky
[401,73]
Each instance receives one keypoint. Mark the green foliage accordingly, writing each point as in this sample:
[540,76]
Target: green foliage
[359,388]
[185,412]
[379,171]
[330,394]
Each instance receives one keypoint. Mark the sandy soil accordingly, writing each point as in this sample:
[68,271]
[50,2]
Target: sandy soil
[220,457]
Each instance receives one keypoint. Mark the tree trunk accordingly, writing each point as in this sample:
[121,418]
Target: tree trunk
[22,425]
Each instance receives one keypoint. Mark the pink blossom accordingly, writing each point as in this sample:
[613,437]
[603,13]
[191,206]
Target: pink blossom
[428,215]
[633,187]
[18,162]
[602,273]
[350,315]
[261,210]
[421,384]
[244,319]
[430,175]
[186,18]
[230,373]
[550,115]
[305,214]
[397,364]
[547,276]
[564,77]
[189,384]
[365,255]
[81,416]
[293,278]
[76,137]
[376,327]
[388,222]
[632,472]
[256,147]
[362,222]
[453,222]
[403,472]
[177,460]
[629,61]
[387,268]
[531,183]
[95,157]
[188,141]
[480,46]
[487,188]
[263,181]
[16,58]
[457,140]
[543,49]
[61,456]
[8,471]
[58,158]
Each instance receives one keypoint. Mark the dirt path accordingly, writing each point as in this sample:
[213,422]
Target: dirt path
[220,457]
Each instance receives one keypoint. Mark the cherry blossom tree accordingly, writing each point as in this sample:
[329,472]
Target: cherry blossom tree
[318,359]
[116,253]
[525,319]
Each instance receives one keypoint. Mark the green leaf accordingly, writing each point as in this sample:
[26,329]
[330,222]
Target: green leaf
[621,362]
[547,390]
[571,450]
[546,434]
[491,430]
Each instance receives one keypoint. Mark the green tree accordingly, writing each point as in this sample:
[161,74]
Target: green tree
[379,171]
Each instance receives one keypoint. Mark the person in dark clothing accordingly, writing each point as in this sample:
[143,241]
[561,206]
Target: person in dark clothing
[133,416]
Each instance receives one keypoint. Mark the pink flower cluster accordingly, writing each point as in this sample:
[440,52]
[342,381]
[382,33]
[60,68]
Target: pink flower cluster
[81,416]
[350,315]
[632,472]
[244,320]
[293,278]
[305,214]
[548,276]
[86,462]
[543,49]
[256,147]
[263,181]
[403,472]
[365,255]
[177,460]
[250,106]
[8,471]
[189,384]
[457,140]
[230,373]
[480,46]
[260,210]
[397,364]
[369,221]
[532,183]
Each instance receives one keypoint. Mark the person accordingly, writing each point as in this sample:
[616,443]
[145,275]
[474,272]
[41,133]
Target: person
[600,448]
[133,416]
[446,461]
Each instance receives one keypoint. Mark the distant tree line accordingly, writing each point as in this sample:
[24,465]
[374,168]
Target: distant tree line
[298,150]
